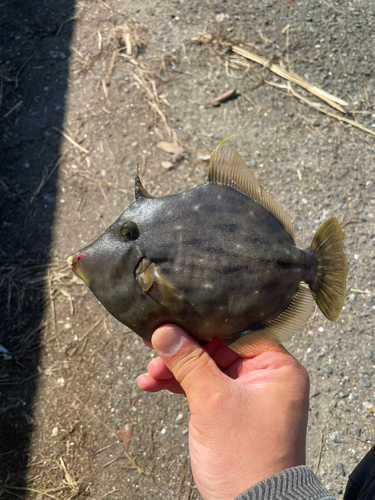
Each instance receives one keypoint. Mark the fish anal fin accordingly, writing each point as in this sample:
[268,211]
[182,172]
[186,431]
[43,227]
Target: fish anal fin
[146,279]
[282,328]
[229,168]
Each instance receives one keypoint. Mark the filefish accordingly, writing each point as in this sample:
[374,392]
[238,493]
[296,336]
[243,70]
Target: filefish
[219,260]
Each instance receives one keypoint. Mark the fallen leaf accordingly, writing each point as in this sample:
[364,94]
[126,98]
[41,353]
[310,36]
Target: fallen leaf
[124,434]
[174,160]
[177,157]
[169,147]
[206,134]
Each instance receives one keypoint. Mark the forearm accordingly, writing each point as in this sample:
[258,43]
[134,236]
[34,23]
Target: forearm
[298,482]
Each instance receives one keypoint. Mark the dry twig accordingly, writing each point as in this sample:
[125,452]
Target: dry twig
[182,478]
[320,453]
[230,94]
[330,99]
[95,416]
[139,469]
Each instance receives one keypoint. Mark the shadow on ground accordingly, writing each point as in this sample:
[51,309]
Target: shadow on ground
[34,52]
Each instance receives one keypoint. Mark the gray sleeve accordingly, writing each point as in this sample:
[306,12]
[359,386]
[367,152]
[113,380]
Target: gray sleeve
[290,484]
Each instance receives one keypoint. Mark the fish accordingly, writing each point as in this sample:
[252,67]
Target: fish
[219,260]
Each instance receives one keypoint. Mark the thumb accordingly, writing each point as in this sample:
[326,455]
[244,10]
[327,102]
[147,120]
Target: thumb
[191,365]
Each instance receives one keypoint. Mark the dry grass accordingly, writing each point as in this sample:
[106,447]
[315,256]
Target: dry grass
[222,46]
[19,279]
[129,37]
[148,86]
[330,99]
[61,484]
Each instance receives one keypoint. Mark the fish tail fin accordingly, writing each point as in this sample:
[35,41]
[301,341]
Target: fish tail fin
[330,284]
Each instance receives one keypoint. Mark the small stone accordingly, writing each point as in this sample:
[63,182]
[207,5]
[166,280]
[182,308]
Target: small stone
[365,382]
[306,357]
[204,156]
[163,431]
[61,381]
[179,417]
[314,392]
[335,437]
[358,431]
[340,468]
[368,352]
[329,370]
[55,431]
[367,405]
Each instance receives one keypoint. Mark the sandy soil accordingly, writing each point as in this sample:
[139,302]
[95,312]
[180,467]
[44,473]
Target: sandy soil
[87,90]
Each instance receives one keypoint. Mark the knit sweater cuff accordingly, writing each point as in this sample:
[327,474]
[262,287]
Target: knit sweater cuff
[290,484]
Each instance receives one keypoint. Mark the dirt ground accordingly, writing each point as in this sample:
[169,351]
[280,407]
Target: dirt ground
[87,90]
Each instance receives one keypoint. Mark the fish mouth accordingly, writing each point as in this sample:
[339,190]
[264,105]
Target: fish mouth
[73,259]
[73,264]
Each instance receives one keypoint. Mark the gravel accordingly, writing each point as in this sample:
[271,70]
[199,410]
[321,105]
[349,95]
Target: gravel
[314,166]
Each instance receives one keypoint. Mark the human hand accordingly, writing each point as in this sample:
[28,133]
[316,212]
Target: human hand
[248,416]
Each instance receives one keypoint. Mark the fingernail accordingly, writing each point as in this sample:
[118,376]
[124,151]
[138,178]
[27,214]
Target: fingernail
[167,340]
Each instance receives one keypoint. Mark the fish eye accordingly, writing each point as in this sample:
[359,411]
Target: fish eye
[129,231]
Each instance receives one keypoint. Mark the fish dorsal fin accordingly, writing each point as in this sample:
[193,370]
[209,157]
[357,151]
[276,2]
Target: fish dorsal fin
[227,167]
[140,190]
[252,342]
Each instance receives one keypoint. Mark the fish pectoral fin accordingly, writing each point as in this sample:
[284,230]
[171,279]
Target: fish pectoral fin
[147,278]
[250,343]
[162,291]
